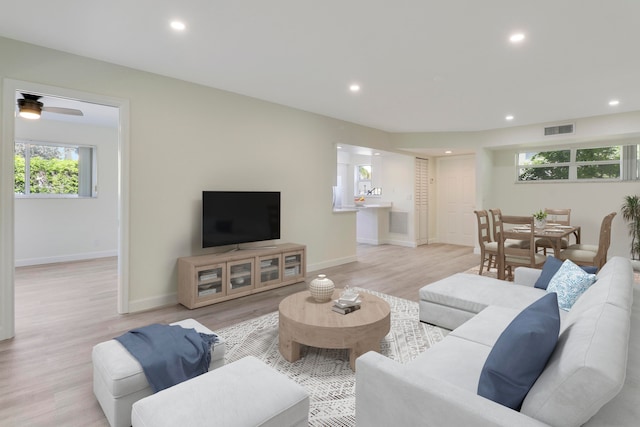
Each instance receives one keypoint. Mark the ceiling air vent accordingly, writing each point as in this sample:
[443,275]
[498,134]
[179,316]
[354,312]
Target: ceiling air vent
[558,130]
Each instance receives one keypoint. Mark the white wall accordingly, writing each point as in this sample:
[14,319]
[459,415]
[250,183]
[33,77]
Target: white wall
[229,142]
[56,230]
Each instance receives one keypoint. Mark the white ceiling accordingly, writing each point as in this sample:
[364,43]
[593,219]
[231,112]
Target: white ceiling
[423,65]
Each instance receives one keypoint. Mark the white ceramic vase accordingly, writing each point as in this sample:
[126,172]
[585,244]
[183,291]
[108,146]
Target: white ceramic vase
[539,223]
[321,288]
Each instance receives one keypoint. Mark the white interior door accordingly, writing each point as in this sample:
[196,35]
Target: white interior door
[456,184]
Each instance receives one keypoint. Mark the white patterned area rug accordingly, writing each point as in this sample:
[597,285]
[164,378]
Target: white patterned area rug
[325,373]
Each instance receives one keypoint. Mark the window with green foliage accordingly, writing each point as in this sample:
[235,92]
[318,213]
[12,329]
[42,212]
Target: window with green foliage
[54,170]
[363,179]
[576,164]
[596,163]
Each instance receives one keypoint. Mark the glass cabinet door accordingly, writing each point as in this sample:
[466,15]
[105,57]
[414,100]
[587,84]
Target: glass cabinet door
[240,276]
[293,265]
[210,282]
[270,269]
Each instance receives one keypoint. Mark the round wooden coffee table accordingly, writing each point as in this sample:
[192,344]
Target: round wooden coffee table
[302,320]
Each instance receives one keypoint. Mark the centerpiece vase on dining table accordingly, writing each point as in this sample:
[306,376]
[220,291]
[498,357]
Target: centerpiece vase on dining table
[540,219]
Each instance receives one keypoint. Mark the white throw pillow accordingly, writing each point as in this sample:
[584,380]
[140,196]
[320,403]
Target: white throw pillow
[569,282]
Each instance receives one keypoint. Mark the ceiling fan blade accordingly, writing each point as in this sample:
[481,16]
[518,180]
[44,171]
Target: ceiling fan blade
[60,110]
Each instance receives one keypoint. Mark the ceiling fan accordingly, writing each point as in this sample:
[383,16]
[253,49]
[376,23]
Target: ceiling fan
[30,107]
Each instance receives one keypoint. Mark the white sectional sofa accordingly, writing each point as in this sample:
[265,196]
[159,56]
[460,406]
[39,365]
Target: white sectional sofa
[592,377]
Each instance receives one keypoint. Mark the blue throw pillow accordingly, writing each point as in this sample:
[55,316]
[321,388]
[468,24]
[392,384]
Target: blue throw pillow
[551,267]
[569,283]
[520,354]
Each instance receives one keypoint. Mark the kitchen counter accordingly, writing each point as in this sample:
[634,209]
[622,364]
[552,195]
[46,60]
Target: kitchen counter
[372,223]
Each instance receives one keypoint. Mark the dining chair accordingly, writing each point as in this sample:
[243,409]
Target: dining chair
[517,228]
[488,247]
[556,216]
[595,255]
[496,219]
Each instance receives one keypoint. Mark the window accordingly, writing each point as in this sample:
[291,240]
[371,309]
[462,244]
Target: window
[598,163]
[363,179]
[45,169]
[613,163]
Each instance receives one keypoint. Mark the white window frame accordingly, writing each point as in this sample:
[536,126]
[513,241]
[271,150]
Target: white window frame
[628,162]
[83,173]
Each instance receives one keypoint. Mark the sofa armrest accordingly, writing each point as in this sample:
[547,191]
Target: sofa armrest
[389,393]
[526,276]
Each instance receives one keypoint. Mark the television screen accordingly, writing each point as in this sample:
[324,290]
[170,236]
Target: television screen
[233,217]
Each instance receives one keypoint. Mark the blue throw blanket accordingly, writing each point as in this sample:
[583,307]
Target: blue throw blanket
[169,354]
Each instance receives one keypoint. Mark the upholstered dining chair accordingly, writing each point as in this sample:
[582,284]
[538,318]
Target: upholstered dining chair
[556,216]
[496,219]
[517,228]
[488,247]
[595,255]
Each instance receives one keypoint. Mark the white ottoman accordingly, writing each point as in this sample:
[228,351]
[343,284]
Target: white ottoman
[119,381]
[245,393]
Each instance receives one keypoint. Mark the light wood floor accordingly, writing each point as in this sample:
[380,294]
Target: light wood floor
[63,310]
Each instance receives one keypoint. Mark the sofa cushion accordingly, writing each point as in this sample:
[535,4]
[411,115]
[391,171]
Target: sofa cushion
[586,370]
[455,360]
[471,293]
[551,267]
[569,283]
[614,284]
[485,327]
[521,353]
[246,392]
[623,410]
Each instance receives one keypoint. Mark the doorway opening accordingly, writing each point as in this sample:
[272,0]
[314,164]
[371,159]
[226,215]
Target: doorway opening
[107,118]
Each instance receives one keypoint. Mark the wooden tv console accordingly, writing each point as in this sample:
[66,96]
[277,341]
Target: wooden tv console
[208,279]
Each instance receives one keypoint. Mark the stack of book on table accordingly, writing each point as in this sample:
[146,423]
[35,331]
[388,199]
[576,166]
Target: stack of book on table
[347,303]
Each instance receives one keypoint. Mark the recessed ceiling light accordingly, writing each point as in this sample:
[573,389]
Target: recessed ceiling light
[614,102]
[448,152]
[509,117]
[354,87]
[376,154]
[516,38]
[177,25]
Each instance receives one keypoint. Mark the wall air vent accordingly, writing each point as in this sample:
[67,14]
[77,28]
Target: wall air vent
[559,129]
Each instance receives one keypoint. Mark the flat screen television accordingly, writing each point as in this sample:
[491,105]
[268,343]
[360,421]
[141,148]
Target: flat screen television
[234,217]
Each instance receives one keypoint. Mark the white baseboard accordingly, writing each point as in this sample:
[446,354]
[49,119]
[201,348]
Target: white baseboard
[5,333]
[65,258]
[153,302]
[403,243]
[331,263]
[369,241]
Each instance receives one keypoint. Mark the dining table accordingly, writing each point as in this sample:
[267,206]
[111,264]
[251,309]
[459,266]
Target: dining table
[555,233]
